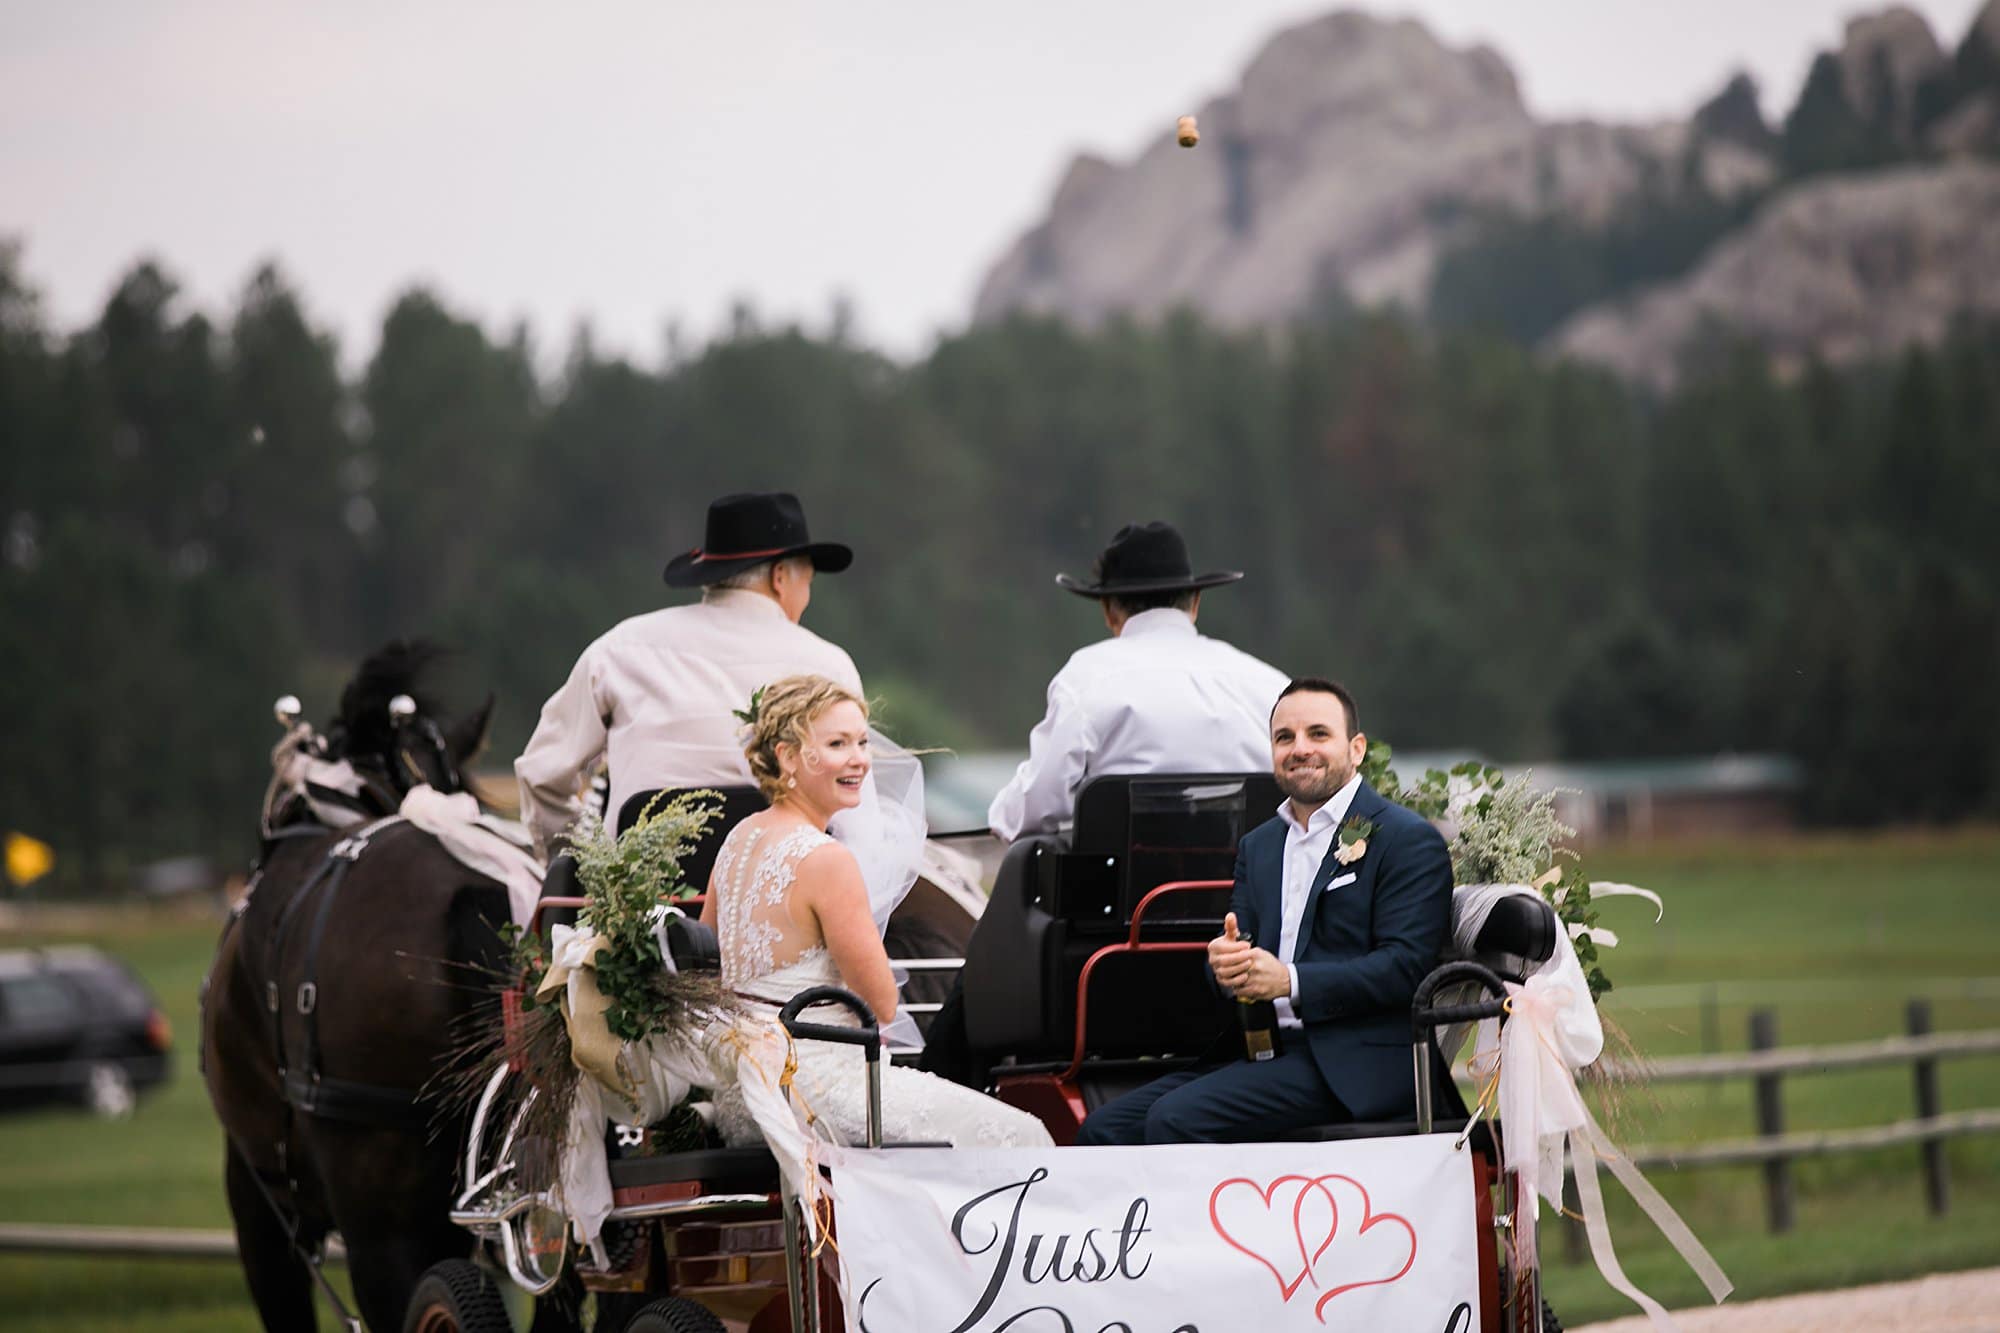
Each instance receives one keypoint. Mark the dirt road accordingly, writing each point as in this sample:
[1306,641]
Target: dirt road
[1944,1303]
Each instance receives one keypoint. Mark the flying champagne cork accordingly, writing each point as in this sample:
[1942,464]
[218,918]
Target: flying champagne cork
[1186,132]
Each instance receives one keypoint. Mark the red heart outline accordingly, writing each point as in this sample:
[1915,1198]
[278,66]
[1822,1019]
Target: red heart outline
[1309,1262]
[1286,1289]
[1370,1220]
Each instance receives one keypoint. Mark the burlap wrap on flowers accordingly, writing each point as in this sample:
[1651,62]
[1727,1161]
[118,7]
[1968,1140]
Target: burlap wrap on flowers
[593,1049]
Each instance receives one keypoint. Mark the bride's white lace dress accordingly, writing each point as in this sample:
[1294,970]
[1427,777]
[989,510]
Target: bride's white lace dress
[752,879]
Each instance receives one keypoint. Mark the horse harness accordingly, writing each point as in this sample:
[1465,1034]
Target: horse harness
[306,1088]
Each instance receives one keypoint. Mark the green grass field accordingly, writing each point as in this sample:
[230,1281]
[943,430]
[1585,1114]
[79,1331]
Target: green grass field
[1868,922]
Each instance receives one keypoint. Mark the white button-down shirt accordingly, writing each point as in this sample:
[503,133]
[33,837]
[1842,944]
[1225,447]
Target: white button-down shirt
[655,697]
[1306,846]
[1157,698]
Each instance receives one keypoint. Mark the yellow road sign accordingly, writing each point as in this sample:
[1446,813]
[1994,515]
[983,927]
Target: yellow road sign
[28,859]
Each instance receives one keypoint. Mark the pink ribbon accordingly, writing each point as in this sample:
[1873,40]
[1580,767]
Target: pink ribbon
[1541,1114]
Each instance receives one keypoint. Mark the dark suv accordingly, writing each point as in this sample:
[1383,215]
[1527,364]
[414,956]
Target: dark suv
[76,1025]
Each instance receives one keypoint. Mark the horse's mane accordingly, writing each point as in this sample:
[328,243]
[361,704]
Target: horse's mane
[400,666]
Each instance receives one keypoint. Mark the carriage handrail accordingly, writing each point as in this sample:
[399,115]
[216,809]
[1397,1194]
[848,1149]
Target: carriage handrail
[868,1036]
[535,917]
[1132,944]
[1424,1015]
[1172,886]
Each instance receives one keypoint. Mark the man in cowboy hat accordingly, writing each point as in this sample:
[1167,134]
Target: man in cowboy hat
[655,695]
[1154,697]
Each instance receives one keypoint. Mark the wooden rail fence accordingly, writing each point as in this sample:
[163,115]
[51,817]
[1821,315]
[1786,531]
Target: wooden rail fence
[1767,1065]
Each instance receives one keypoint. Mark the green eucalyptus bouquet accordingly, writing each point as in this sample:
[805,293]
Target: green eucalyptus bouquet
[1502,831]
[625,877]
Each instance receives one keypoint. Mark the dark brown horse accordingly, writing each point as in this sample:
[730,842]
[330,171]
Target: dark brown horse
[335,994]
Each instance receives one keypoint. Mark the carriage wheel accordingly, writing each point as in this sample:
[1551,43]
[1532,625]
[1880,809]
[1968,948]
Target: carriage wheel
[457,1296]
[676,1314]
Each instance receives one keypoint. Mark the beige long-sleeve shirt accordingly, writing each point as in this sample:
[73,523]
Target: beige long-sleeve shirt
[655,697]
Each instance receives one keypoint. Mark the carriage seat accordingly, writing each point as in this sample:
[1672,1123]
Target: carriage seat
[738,804]
[710,1170]
[1058,898]
[1518,936]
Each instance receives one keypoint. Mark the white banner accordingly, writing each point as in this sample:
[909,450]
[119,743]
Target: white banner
[1373,1234]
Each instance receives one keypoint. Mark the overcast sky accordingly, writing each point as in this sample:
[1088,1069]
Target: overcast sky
[647,162]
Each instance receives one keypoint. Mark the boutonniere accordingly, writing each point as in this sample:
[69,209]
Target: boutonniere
[1353,835]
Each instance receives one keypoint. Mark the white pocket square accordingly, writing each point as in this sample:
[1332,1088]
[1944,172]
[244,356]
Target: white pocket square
[1339,880]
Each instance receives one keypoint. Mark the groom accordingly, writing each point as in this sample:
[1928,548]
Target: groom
[1342,904]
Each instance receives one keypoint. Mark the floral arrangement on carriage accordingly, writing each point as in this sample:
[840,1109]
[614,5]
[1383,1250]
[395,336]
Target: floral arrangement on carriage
[597,1022]
[1505,838]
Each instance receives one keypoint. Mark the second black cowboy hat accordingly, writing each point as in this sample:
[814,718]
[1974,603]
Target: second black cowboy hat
[747,530]
[1143,558]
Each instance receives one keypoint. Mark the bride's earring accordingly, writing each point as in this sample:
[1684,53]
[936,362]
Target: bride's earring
[791,782]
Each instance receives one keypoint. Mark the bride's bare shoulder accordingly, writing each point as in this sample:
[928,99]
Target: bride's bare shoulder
[828,867]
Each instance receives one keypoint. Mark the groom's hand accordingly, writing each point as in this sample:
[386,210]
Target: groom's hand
[1247,972]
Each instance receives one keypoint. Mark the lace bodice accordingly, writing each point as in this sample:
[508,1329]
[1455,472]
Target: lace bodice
[751,884]
[768,956]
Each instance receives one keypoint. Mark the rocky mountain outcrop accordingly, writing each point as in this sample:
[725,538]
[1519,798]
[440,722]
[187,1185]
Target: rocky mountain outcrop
[1357,152]
[1962,104]
[1885,59]
[1354,150]
[1844,267]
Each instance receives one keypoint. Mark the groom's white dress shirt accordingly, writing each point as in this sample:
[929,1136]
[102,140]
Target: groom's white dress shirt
[1306,846]
[1158,698]
[655,697]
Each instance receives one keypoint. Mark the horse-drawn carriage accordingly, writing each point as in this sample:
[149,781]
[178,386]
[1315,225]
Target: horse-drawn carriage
[1085,977]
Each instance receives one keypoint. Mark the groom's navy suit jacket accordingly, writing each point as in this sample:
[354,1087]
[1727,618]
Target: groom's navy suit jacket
[1370,932]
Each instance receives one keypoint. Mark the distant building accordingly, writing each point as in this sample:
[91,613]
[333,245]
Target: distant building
[1604,799]
[1676,798]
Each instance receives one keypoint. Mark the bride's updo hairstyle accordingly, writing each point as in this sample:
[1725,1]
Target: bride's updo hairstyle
[785,711]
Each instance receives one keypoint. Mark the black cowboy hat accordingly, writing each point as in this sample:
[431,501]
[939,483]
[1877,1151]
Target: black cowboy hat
[1145,557]
[747,530]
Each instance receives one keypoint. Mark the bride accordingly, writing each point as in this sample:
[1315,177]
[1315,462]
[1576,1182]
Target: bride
[791,911]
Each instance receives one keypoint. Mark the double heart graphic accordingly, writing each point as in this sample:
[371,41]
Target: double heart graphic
[1291,1224]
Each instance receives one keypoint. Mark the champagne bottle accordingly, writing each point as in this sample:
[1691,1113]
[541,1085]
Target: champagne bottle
[1259,1021]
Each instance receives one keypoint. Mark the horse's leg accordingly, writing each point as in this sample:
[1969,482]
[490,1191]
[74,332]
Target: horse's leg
[389,1191]
[386,1263]
[279,1284]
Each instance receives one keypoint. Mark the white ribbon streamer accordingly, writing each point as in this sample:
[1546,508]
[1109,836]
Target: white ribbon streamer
[294,766]
[1542,1113]
[763,1056]
[496,848]
[1471,905]
[584,1175]
[1604,888]
[658,1074]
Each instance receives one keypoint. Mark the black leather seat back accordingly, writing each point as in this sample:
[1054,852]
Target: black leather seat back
[692,946]
[1057,901]
[738,804]
[1519,936]
[1009,977]
[1135,832]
